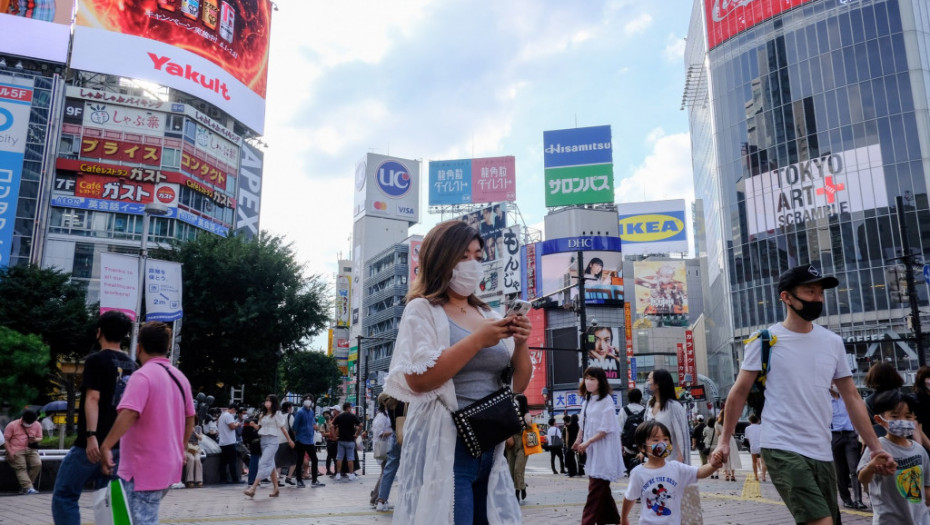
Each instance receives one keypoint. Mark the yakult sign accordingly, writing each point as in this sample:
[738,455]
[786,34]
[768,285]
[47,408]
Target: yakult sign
[726,18]
[844,182]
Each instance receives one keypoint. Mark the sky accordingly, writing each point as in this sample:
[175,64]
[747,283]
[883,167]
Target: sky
[451,79]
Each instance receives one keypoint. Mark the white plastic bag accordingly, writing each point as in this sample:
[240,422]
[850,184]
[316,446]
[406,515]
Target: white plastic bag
[111,507]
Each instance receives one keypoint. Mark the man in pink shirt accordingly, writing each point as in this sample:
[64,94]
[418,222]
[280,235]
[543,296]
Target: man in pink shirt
[156,417]
[22,439]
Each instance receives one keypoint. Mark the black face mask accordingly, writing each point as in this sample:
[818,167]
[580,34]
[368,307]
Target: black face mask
[809,311]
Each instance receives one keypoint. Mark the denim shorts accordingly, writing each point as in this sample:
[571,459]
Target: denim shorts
[345,450]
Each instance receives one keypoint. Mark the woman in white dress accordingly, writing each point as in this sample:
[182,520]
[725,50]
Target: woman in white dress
[450,351]
[732,462]
[665,408]
[599,438]
[271,424]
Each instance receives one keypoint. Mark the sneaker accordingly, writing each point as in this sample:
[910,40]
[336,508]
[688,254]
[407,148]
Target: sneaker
[352,477]
[31,491]
[849,504]
[383,507]
[342,477]
[317,484]
[300,484]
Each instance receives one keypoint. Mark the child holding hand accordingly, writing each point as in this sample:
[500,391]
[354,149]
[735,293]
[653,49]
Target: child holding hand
[658,483]
[902,498]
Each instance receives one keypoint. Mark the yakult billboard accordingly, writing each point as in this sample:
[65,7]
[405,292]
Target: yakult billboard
[216,50]
[726,18]
[21,21]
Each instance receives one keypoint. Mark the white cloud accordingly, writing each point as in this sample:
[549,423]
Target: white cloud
[638,24]
[665,173]
[674,48]
[655,135]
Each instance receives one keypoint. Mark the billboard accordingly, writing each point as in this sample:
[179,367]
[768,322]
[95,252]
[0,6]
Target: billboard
[836,183]
[119,283]
[216,50]
[578,166]
[490,223]
[22,20]
[413,260]
[605,353]
[249,196]
[539,376]
[511,260]
[387,187]
[15,107]
[472,181]
[653,227]
[726,18]
[556,268]
[343,287]
[163,291]
[661,287]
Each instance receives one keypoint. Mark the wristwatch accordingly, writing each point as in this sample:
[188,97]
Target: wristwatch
[90,433]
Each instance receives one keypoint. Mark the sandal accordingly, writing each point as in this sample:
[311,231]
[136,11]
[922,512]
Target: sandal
[274,494]
[250,492]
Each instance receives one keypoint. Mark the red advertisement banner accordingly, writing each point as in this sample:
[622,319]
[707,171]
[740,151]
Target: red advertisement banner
[201,168]
[107,188]
[538,357]
[689,354]
[726,18]
[120,150]
[681,364]
[110,170]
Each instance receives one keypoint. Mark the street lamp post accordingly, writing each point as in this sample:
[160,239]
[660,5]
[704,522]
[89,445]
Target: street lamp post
[158,210]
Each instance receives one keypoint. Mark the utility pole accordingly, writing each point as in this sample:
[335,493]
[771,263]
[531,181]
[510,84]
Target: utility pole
[908,259]
[583,317]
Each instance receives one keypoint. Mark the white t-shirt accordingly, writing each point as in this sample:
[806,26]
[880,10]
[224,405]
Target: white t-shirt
[797,412]
[553,431]
[227,435]
[661,490]
[753,433]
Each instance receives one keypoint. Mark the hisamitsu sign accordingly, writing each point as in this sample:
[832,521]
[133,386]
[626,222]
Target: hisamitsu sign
[578,166]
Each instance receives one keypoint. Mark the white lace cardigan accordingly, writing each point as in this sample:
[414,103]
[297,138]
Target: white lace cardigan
[425,480]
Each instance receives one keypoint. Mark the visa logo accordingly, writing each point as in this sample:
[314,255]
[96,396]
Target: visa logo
[405,210]
[650,228]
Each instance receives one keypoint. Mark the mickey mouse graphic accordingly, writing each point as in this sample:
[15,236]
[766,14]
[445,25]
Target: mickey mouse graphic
[657,505]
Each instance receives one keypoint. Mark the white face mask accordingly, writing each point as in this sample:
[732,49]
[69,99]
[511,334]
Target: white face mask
[307,403]
[465,277]
[591,385]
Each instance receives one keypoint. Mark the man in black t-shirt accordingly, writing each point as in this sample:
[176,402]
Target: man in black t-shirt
[349,426]
[100,393]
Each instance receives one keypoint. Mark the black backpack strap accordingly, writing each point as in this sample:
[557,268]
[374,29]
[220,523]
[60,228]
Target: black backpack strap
[629,413]
[181,388]
[766,339]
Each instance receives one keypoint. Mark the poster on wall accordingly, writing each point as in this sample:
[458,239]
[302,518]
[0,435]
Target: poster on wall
[661,287]
[490,223]
[216,50]
[606,355]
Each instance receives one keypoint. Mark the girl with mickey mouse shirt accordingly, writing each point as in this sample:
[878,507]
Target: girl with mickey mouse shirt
[660,484]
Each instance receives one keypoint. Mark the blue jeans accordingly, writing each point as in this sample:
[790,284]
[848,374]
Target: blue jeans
[390,470]
[253,465]
[471,485]
[74,473]
[143,504]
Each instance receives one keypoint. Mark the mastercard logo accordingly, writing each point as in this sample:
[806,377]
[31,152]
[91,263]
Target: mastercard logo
[166,195]
[381,206]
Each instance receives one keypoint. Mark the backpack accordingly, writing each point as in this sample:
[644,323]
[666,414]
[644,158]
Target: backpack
[633,420]
[122,379]
[756,397]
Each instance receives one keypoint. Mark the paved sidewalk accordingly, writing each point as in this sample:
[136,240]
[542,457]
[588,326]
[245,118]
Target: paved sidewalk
[551,499]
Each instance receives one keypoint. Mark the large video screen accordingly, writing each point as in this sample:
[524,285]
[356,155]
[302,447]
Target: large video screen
[22,20]
[556,268]
[216,50]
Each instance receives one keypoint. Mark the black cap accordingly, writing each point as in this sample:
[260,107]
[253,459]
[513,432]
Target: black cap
[805,275]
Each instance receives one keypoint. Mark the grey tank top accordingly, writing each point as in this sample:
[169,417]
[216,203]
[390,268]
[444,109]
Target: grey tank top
[480,376]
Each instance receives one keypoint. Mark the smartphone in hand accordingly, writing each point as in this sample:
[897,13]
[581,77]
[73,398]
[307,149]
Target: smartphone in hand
[518,307]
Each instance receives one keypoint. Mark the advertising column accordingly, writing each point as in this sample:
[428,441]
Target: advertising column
[15,105]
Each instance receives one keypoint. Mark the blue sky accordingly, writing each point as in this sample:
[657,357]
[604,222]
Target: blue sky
[456,79]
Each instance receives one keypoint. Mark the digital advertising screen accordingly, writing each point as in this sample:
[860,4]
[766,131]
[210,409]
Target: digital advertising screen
[22,20]
[556,268]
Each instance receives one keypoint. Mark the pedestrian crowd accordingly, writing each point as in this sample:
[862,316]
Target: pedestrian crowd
[809,433]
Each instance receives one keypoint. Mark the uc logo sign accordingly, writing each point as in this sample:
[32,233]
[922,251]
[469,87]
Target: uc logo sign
[393,179]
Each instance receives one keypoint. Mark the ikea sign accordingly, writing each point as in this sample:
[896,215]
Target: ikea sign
[649,229]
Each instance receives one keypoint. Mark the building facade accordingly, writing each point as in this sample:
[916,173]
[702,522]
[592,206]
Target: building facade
[810,138]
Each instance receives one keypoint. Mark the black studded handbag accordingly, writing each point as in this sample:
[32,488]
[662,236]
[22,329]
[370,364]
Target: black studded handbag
[490,420]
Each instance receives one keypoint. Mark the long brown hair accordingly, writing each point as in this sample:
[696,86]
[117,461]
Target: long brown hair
[441,250]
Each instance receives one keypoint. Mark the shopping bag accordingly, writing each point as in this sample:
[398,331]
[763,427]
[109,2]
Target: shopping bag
[380,448]
[531,442]
[111,507]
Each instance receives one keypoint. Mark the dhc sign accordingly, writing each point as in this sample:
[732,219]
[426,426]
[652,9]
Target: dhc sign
[575,244]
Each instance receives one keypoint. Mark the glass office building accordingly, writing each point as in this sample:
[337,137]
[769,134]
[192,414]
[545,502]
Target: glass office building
[810,136]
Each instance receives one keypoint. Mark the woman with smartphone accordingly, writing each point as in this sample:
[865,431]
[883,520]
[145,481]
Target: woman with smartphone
[451,350]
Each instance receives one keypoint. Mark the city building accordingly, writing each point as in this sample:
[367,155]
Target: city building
[810,139]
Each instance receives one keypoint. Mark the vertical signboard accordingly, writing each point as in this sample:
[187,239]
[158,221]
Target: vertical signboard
[163,291]
[537,338]
[511,260]
[682,367]
[249,196]
[343,291]
[689,355]
[15,106]
[413,261]
[628,331]
[119,283]
[578,166]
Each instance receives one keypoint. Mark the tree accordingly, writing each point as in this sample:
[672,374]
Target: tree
[24,361]
[310,372]
[247,305]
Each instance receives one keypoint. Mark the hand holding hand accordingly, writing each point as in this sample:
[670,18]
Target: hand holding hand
[884,463]
[106,461]
[92,450]
[721,453]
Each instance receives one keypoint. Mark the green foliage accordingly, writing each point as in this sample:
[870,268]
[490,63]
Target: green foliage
[247,305]
[24,360]
[43,301]
[310,372]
